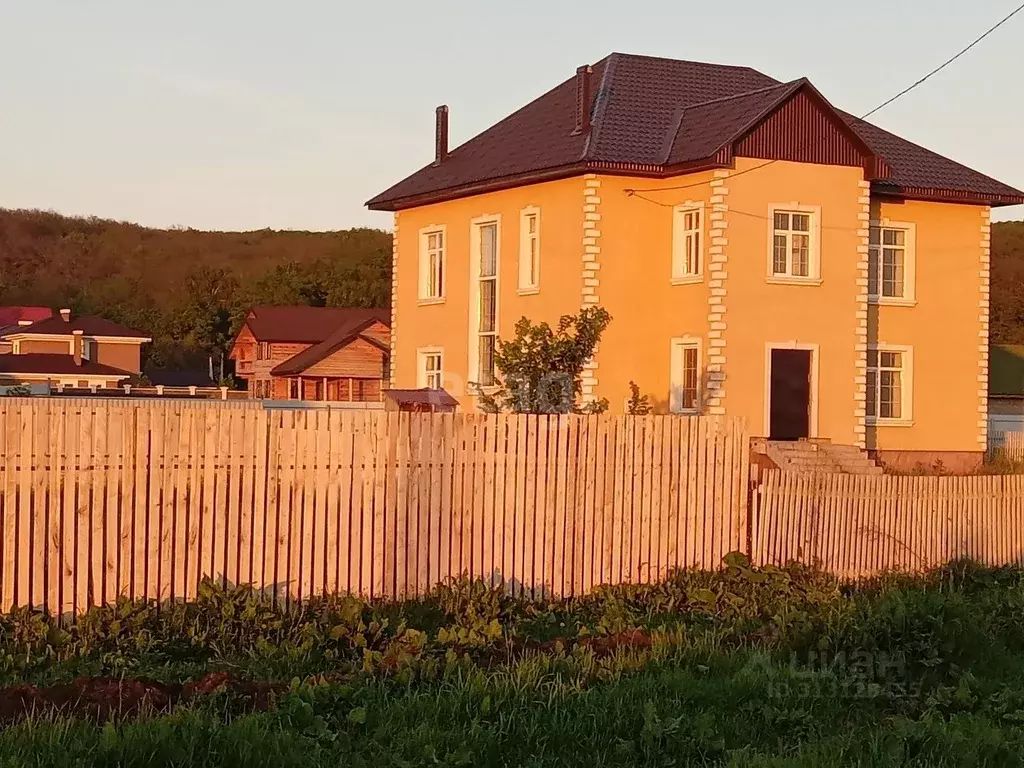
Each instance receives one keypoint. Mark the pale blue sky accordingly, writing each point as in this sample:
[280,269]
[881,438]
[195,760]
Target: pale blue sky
[244,114]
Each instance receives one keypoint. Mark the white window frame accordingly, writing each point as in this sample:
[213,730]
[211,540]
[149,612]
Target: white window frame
[526,286]
[681,238]
[422,375]
[425,295]
[679,344]
[909,297]
[475,225]
[814,256]
[906,387]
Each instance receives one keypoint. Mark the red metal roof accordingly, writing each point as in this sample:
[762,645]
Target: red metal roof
[308,325]
[12,315]
[651,116]
[39,363]
[89,325]
[434,397]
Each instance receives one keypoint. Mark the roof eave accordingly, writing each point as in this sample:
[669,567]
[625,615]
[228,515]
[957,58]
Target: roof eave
[995,200]
[537,177]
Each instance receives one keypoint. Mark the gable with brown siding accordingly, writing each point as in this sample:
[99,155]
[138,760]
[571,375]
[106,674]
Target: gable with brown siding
[359,359]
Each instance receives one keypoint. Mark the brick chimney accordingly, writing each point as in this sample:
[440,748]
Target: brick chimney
[65,315]
[77,337]
[441,135]
[584,99]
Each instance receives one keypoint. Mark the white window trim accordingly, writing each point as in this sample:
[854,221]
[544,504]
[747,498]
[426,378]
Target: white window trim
[814,267]
[909,298]
[907,387]
[474,298]
[525,287]
[679,343]
[421,368]
[679,274]
[812,427]
[423,279]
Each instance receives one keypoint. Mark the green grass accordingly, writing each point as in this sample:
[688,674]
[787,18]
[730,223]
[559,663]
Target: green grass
[747,668]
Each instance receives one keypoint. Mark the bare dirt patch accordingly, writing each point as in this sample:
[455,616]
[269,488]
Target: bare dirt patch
[103,698]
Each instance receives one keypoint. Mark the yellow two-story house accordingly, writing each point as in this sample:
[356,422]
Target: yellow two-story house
[762,254]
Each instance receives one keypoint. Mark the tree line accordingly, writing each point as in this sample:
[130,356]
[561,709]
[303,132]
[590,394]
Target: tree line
[188,289]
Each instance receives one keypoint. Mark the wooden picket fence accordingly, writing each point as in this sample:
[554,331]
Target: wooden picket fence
[860,526]
[1013,446]
[101,499]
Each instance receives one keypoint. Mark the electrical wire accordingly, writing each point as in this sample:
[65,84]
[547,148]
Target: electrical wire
[883,105]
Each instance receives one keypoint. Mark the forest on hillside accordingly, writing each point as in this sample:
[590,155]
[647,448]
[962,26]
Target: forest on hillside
[190,289]
[1007,312]
[186,288]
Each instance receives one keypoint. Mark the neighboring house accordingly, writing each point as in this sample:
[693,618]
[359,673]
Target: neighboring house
[14,317]
[1006,392]
[79,351]
[314,353]
[762,254]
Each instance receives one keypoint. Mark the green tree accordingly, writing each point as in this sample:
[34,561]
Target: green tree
[542,368]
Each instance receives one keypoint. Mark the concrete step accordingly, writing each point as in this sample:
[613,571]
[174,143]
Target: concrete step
[817,456]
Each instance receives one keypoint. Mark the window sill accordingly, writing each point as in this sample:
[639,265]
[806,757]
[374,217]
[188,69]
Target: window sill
[872,422]
[529,291]
[430,302]
[783,280]
[685,412]
[888,302]
[688,280]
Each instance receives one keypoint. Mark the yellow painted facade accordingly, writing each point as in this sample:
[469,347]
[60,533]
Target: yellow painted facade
[601,244]
[444,325]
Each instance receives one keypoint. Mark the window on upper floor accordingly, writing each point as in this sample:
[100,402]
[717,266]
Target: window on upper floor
[793,253]
[889,387]
[529,250]
[263,350]
[433,244]
[891,263]
[687,242]
[685,375]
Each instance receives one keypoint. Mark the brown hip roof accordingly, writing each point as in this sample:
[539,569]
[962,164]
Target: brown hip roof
[648,116]
[40,363]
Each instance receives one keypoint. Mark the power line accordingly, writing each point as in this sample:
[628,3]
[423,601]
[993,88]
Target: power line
[883,105]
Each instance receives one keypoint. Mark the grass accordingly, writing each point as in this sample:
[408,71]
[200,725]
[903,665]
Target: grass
[744,668]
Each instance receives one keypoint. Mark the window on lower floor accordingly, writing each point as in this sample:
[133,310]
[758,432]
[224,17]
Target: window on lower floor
[431,367]
[888,384]
[685,361]
[294,390]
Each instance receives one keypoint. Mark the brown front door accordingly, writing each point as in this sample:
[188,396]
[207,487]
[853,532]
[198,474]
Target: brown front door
[790,394]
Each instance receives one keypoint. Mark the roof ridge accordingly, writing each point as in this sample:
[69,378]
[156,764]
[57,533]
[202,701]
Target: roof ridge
[601,99]
[650,57]
[756,91]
